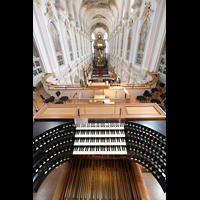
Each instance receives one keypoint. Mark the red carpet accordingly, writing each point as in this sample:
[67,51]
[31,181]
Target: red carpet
[100,72]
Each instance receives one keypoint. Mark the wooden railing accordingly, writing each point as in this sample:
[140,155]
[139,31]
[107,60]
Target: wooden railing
[146,85]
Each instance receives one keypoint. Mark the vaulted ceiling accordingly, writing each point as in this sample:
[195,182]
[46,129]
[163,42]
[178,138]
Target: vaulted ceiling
[103,15]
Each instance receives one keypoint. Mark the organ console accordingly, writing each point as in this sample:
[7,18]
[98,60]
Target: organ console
[103,149]
[140,141]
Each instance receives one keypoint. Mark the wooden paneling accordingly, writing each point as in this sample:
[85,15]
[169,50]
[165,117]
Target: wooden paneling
[59,111]
[141,110]
[93,110]
[101,111]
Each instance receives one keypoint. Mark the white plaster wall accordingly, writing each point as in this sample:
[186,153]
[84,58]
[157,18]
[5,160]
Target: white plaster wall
[152,51]
[40,43]
[122,65]
[159,41]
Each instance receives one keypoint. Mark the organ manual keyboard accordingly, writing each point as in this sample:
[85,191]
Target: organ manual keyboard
[100,139]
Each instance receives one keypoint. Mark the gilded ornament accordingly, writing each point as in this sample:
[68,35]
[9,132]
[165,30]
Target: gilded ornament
[61,11]
[123,29]
[66,23]
[147,8]
[48,29]
[149,28]
[49,11]
[130,22]
[37,2]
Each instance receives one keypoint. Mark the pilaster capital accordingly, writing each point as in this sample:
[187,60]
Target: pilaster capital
[136,15]
[58,4]
[136,4]
[125,16]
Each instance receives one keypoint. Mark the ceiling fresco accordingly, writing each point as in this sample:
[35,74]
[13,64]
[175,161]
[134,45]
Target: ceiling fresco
[95,14]
[89,4]
[99,16]
[99,25]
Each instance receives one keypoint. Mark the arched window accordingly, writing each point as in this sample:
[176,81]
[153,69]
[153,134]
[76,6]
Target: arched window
[114,45]
[117,45]
[129,44]
[69,45]
[142,41]
[122,44]
[76,46]
[162,66]
[81,46]
[56,43]
[36,62]
[84,46]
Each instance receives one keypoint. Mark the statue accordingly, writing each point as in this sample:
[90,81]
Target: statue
[143,36]
[118,81]
[81,83]
[111,82]
[66,23]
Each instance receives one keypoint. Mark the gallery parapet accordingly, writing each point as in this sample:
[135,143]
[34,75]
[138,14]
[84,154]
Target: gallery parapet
[46,81]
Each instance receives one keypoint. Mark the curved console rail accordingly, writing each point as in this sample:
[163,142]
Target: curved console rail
[147,146]
[51,148]
[53,144]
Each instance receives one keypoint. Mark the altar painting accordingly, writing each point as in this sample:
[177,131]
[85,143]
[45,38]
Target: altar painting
[55,38]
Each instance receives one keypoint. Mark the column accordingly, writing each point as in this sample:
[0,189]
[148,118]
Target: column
[127,10]
[70,10]
[134,33]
